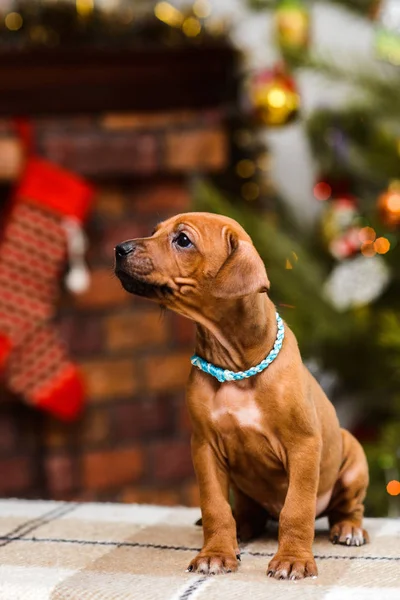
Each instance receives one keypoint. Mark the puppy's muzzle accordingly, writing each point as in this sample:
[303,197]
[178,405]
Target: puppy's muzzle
[133,267]
[124,249]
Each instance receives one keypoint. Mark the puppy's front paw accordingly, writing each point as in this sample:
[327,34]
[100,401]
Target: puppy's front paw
[213,563]
[292,567]
[348,534]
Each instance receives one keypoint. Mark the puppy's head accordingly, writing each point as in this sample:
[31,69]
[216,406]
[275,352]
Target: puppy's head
[191,261]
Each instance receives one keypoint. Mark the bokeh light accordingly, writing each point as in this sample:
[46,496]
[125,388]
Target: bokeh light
[389,205]
[264,162]
[250,190]
[245,168]
[13,21]
[168,14]
[368,249]
[382,245]
[202,9]
[393,202]
[367,234]
[393,488]
[191,27]
[84,7]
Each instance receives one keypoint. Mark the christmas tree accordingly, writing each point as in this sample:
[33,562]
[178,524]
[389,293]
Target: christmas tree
[337,283]
[336,280]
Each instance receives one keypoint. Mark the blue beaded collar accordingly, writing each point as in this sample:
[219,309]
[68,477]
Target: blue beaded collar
[225,375]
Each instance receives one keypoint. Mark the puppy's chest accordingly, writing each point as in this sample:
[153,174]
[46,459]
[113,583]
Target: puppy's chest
[233,410]
[242,429]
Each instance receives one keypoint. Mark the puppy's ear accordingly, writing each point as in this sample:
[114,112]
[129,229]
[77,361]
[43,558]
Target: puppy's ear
[242,273]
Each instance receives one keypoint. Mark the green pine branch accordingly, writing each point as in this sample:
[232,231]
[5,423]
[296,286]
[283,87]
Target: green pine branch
[376,89]
[371,143]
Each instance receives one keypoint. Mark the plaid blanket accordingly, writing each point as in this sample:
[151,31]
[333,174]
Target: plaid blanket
[71,551]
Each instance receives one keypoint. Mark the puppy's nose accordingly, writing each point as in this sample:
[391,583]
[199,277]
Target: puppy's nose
[124,249]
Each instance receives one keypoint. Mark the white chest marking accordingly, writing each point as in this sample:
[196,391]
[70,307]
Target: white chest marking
[247,415]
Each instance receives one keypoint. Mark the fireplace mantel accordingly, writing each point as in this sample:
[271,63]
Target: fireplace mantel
[96,80]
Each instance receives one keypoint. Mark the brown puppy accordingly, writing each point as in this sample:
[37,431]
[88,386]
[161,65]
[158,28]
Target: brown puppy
[274,438]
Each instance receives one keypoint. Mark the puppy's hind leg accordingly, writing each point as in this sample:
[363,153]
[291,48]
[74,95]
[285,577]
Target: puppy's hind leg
[346,509]
[251,518]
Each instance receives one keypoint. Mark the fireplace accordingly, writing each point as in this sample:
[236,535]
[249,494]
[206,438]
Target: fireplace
[138,127]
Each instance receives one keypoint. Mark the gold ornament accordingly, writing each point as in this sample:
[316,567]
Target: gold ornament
[292,25]
[389,205]
[275,97]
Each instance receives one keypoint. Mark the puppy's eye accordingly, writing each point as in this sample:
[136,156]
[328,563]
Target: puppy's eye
[182,240]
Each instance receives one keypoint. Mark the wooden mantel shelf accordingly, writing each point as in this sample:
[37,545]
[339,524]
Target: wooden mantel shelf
[95,80]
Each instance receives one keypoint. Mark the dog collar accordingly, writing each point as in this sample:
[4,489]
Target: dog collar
[225,375]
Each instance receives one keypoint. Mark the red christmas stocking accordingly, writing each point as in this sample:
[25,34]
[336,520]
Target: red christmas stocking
[39,370]
[32,258]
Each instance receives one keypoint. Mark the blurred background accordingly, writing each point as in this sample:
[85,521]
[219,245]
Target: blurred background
[115,114]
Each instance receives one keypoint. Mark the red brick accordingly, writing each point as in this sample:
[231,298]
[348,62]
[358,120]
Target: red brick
[60,474]
[56,433]
[109,202]
[125,230]
[65,124]
[95,426]
[184,424]
[135,330]
[106,379]
[108,469]
[184,330]
[8,434]
[191,150]
[151,495]
[148,120]
[82,335]
[98,153]
[105,291]
[16,476]
[167,372]
[144,416]
[168,198]
[172,461]
[84,495]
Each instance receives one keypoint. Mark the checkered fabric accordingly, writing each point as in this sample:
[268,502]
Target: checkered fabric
[71,551]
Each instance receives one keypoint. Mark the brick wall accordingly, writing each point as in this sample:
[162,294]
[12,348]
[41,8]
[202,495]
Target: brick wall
[132,443]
